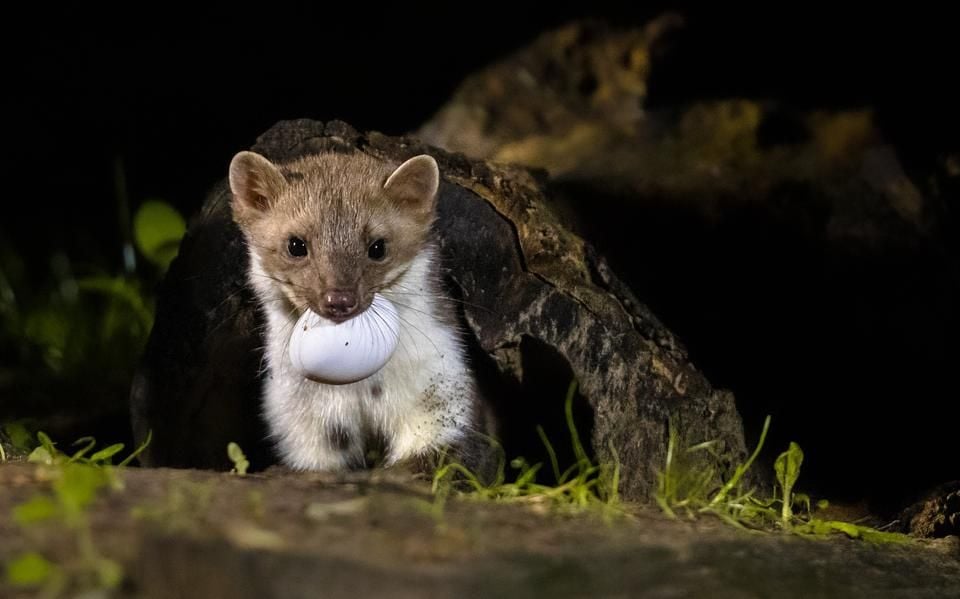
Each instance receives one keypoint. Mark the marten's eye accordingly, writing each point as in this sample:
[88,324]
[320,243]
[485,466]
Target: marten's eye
[297,247]
[378,249]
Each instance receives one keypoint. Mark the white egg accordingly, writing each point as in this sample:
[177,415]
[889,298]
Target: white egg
[349,351]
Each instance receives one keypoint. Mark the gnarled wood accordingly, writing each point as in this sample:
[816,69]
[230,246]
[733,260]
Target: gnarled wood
[534,296]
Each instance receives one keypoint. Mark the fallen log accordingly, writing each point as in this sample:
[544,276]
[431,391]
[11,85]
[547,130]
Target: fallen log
[539,305]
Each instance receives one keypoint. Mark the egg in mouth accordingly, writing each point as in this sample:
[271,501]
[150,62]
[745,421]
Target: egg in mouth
[349,351]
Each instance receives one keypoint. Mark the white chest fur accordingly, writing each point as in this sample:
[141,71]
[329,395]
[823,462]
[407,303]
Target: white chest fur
[419,402]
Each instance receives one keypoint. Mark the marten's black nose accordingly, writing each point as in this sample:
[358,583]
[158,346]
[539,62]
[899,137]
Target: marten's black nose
[338,304]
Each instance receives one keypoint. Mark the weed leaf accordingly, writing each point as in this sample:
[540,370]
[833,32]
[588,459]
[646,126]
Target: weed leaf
[40,455]
[787,466]
[157,229]
[29,570]
[106,453]
[19,436]
[37,509]
[240,463]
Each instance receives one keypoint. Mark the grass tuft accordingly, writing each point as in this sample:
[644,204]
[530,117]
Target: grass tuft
[584,485]
[692,487]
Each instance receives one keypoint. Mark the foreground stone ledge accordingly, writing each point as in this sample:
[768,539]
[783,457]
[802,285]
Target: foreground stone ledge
[204,534]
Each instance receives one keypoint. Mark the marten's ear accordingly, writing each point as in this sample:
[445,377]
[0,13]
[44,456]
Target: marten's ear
[255,183]
[414,184]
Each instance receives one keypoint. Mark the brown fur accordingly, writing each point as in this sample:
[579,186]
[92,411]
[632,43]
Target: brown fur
[339,205]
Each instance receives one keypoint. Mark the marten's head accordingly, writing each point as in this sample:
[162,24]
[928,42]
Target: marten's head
[330,230]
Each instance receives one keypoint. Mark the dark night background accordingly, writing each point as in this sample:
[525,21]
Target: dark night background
[173,95]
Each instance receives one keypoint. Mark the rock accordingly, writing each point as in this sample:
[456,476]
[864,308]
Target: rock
[540,307]
[936,515]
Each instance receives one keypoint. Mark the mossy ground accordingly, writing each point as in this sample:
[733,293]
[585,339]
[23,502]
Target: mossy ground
[204,534]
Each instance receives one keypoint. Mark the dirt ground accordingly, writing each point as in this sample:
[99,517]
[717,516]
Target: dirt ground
[184,533]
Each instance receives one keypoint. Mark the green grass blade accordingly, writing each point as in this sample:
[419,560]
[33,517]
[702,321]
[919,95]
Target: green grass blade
[106,453]
[550,451]
[139,450]
[578,451]
[90,444]
[742,468]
